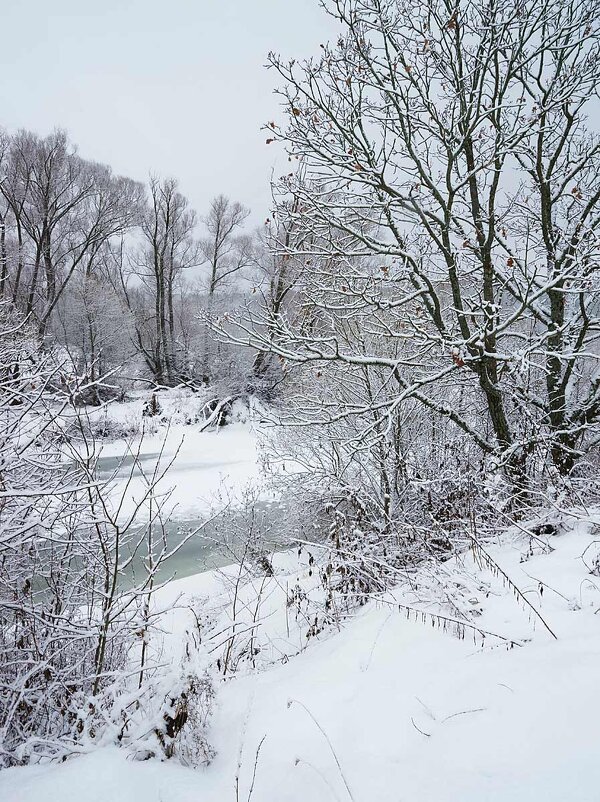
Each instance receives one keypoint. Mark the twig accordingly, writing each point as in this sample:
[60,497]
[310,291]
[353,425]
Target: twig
[324,734]
[300,760]
[464,713]
[427,734]
[546,585]
[258,748]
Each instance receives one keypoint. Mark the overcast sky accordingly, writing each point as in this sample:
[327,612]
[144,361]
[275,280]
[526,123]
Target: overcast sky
[173,86]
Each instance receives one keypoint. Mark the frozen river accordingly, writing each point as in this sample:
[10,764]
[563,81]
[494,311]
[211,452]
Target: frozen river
[207,472]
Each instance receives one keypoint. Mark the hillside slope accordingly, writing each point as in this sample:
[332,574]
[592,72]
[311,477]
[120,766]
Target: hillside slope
[392,709]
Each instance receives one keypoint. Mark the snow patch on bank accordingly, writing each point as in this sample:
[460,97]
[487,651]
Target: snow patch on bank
[206,467]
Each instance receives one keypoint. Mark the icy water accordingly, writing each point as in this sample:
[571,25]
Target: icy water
[120,466]
[203,544]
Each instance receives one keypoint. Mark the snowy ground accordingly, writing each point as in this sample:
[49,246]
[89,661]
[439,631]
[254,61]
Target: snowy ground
[204,466]
[390,709]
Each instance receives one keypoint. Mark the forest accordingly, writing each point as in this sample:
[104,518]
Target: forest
[301,476]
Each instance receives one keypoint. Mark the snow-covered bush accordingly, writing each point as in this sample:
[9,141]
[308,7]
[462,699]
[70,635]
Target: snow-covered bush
[187,706]
[76,657]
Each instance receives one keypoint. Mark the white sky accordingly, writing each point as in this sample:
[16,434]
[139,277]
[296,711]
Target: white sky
[177,87]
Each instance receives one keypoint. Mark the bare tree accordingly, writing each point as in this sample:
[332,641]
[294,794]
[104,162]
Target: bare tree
[13,192]
[223,249]
[226,252]
[93,324]
[169,249]
[451,206]
[67,208]
[4,213]
[278,271]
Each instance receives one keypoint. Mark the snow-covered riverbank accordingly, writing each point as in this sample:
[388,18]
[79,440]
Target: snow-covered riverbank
[196,471]
[389,709]
[203,466]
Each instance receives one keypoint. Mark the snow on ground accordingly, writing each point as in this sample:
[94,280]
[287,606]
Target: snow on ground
[204,466]
[410,713]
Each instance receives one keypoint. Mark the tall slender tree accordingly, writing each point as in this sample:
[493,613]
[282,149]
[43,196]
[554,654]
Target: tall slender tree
[169,248]
[226,252]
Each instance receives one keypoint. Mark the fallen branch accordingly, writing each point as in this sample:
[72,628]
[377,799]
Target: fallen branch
[497,570]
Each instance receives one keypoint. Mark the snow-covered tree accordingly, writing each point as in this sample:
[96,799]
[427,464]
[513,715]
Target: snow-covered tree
[169,248]
[450,207]
[64,210]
